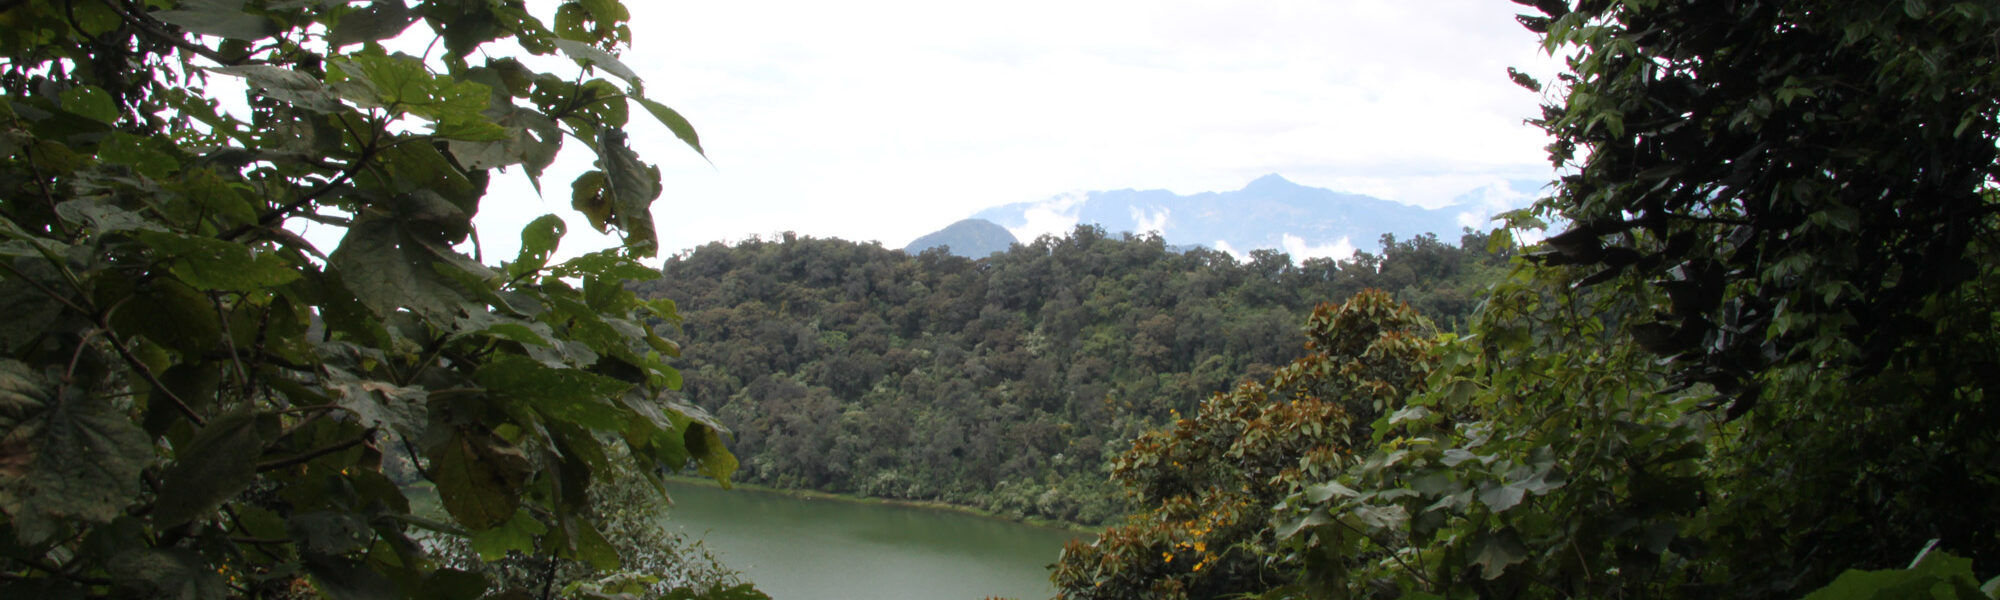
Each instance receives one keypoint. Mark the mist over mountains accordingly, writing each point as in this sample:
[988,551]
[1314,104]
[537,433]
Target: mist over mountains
[1271,212]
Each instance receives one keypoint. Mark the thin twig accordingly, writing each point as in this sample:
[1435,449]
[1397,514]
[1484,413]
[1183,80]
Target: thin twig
[147,373]
[271,465]
[45,289]
[145,23]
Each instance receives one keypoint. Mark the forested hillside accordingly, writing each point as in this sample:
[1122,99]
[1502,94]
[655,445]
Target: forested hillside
[1757,359]
[1006,382]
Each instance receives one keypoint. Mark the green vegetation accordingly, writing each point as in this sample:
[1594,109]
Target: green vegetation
[1006,383]
[1759,355]
[1209,481]
[1755,362]
[197,403]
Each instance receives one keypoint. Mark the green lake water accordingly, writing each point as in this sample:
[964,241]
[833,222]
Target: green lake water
[802,549]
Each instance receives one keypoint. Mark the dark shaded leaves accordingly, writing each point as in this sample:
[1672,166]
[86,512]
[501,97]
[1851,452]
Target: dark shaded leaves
[382,19]
[479,477]
[218,463]
[211,264]
[66,455]
[178,574]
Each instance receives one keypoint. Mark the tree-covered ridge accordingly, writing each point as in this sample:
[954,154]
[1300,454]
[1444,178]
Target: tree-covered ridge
[1006,382]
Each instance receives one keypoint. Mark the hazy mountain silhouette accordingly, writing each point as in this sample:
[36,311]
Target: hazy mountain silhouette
[971,238]
[1270,212]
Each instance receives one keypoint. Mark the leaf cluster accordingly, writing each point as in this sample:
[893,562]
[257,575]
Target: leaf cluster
[200,403]
[1758,352]
[1210,480]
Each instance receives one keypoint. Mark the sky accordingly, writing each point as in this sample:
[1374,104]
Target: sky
[887,120]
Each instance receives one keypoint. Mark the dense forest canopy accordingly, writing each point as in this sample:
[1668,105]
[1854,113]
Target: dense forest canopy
[1009,381]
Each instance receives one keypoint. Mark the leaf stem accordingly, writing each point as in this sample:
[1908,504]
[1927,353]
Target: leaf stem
[272,465]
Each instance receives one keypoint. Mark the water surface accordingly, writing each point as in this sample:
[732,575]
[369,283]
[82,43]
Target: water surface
[805,549]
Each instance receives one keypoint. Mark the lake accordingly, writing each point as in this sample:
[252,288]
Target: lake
[806,549]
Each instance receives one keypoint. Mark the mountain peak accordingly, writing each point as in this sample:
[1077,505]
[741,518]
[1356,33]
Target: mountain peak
[970,238]
[1272,181]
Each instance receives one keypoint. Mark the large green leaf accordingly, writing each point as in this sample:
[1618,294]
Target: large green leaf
[414,168]
[1494,552]
[608,264]
[91,101]
[675,122]
[1934,574]
[709,451]
[479,478]
[342,578]
[218,463]
[211,264]
[65,455]
[388,268]
[596,56]
[538,242]
[532,141]
[164,310]
[401,82]
[301,89]
[146,155]
[631,187]
[382,19]
[568,394]
[177,573]
[30,313]
[517,534]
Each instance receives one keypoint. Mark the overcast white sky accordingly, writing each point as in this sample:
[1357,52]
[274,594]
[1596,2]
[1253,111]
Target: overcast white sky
[886,120]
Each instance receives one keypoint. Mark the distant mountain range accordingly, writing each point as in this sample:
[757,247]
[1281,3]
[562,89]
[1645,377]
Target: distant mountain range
[1271,212]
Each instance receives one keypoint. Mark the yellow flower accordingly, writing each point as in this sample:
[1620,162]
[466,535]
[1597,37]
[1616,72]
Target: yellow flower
[1166,557]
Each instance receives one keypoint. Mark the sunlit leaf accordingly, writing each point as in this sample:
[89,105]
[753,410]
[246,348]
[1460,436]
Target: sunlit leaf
[301,89]
[598,57]
[91,101]
[674,122]
[569,394]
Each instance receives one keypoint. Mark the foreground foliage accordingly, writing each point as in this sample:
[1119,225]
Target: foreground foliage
[195,402]
[1760,353]
[1757,361]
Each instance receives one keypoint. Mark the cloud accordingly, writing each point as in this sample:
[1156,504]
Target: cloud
[1053,216]
[1300,250]
[879,119]
[1492,199]
[1224,246]
[1150,222]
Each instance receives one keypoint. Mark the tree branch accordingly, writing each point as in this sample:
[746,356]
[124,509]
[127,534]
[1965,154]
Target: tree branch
[272,465]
